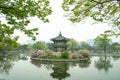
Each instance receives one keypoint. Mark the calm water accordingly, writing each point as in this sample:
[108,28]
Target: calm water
[100,68]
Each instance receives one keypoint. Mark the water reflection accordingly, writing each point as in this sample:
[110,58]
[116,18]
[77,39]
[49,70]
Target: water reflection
[36,63]
[115,58]
[104,63]
[5,66]
[84,64]
[6,62]
[60,71]
[57,70]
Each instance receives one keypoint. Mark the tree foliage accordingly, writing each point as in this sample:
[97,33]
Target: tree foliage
[22,47]
[40,45]
[50,45]
[16,14]
[102,42]
[85,45]
[115,47]
[100,10]
[72,44]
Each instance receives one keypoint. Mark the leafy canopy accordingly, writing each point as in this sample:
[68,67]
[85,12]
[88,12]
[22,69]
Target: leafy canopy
[102,41]
[40,45]
[85,45]
[107,11]
[72,44]
[16,14]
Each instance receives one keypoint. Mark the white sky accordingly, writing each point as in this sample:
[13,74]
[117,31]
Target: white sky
[81,31]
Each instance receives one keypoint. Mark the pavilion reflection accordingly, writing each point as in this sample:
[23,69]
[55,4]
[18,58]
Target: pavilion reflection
[60,69]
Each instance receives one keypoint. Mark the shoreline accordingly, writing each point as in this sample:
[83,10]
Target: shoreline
[104,54]
[60,60]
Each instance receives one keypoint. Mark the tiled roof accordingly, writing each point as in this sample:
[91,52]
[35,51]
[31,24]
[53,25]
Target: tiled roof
[60,37]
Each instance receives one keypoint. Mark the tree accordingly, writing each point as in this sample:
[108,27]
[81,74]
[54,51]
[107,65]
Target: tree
[22,47]
[72,44]
[115,47]
[39,45]
[50,45]
[16,14]
[107,11]
[85,45]
[102,42]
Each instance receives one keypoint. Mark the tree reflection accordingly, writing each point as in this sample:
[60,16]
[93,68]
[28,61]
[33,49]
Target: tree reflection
[5,66]
[6,62]
[59,68]
[36,63]
[39,64]
[60,71]
[85,64]
[115,58]
[103,63]
[73,64]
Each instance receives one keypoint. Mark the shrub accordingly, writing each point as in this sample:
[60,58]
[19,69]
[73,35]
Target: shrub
[34,55]
[74,56]
[80,56]
[84,53]
[41,52]
[64,55]
[56,57]
[48,53]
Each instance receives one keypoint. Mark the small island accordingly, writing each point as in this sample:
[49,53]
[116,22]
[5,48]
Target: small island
[51,56]
[60,53]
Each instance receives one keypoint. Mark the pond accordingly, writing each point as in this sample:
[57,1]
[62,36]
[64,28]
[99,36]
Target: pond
[12,67]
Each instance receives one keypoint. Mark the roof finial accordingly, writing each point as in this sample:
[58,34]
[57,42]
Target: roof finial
[60,34]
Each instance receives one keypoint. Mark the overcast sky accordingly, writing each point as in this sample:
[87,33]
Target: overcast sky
[82,31]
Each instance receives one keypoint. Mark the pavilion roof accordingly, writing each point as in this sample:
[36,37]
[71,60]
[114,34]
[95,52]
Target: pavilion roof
[59,38]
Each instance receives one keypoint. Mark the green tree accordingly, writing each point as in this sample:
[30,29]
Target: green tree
[102,42]
[72,44]
[7,43]
[85,45]
[115,47]
[30,46]
[107,11]
[50,45]
[16,14]
[40,45]
[22,47]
